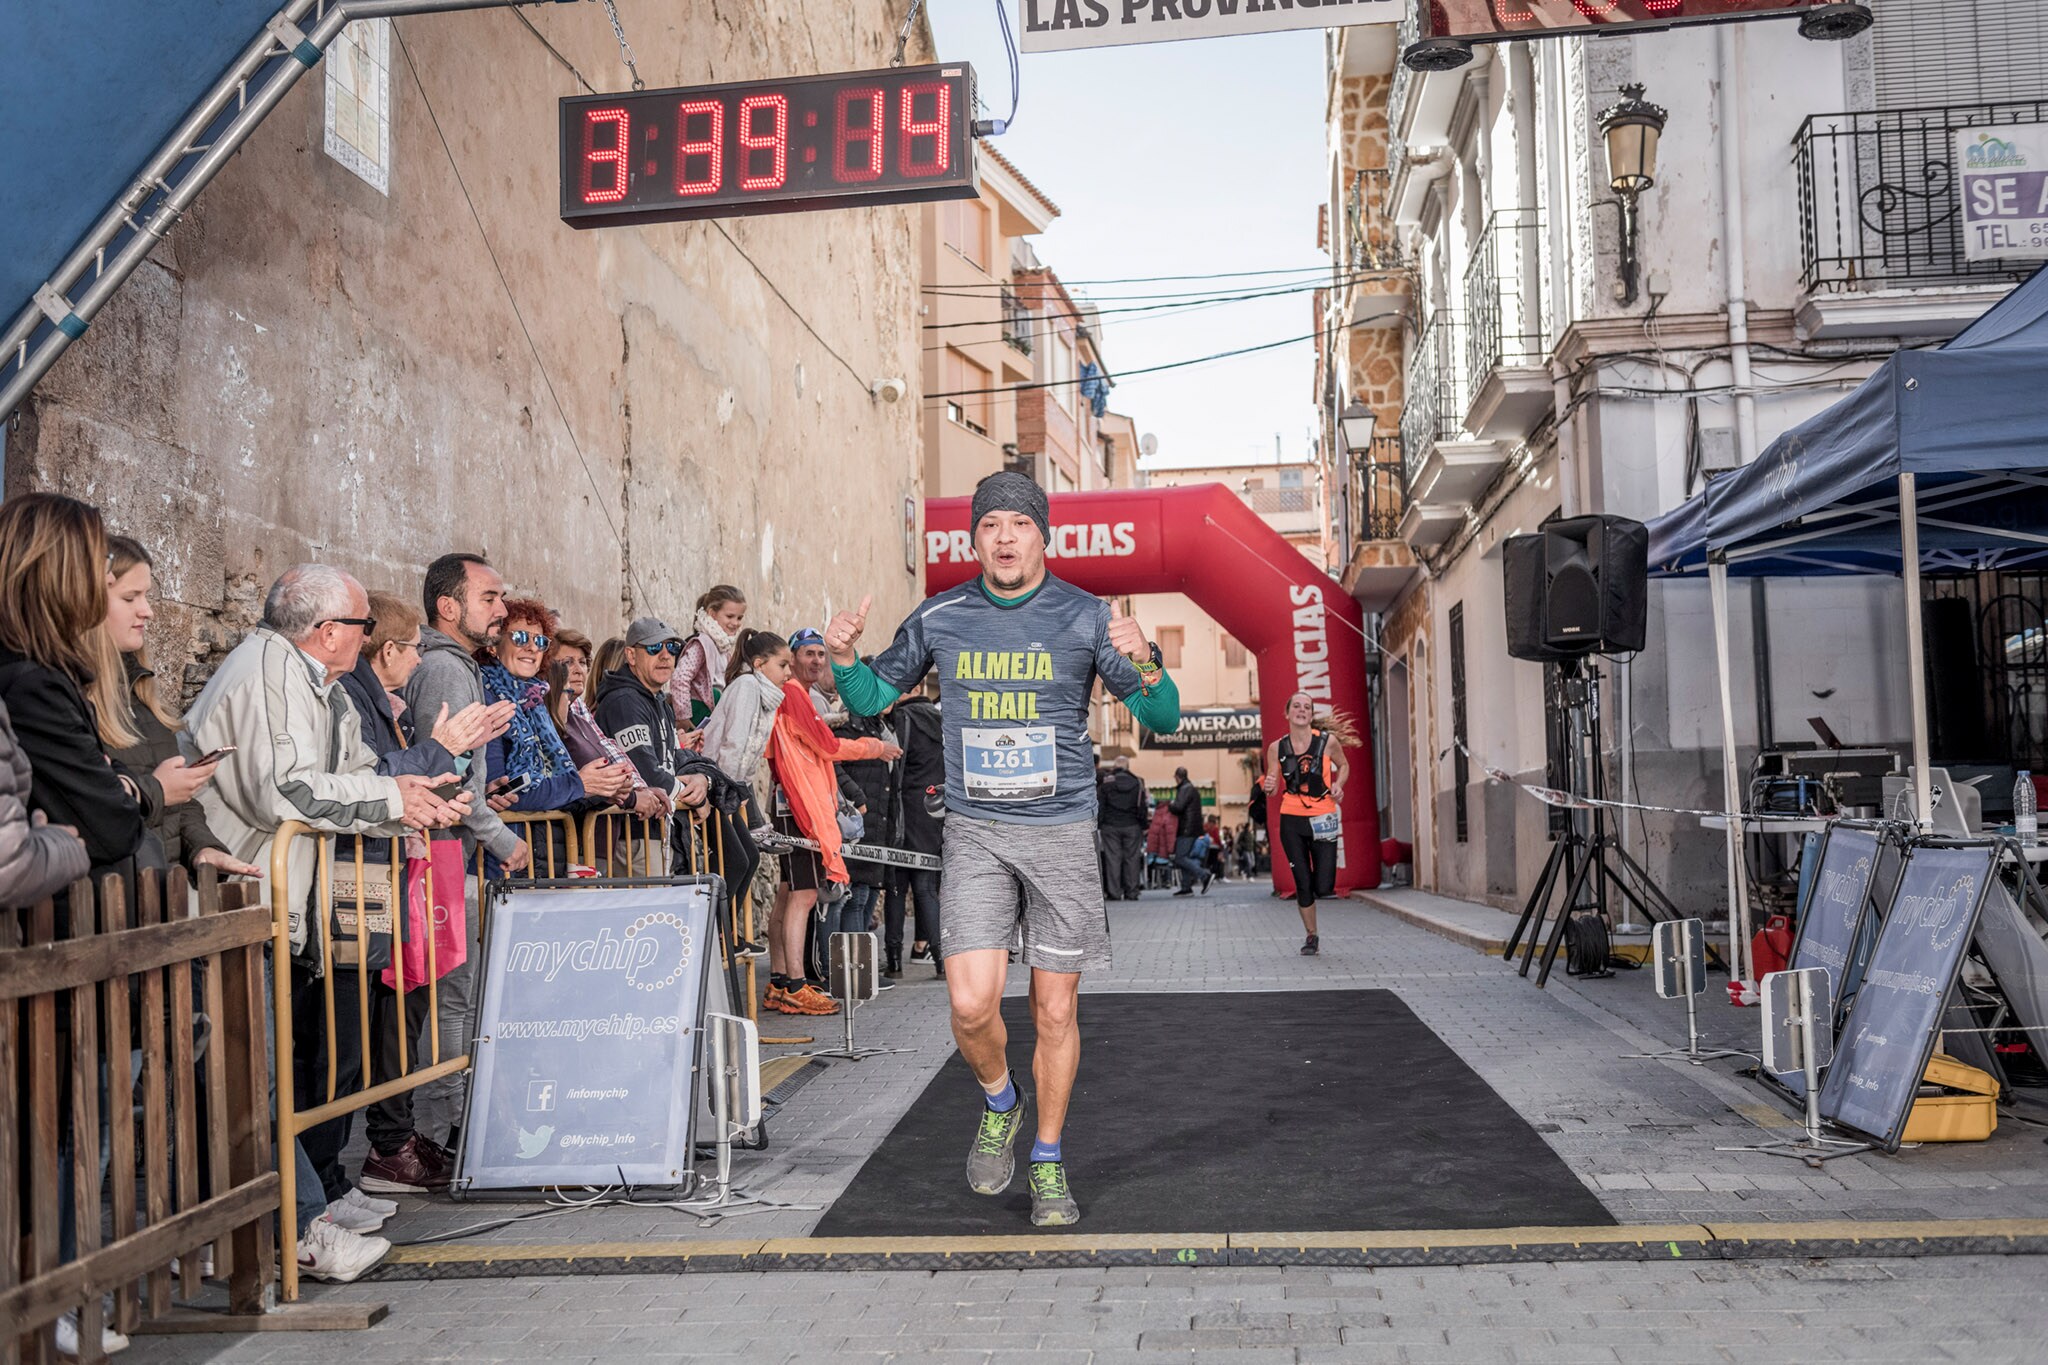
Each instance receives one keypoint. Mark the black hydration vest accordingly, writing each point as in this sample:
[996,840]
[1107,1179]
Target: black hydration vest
[1303,775]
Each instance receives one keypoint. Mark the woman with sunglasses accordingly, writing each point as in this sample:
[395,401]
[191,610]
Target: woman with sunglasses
[531,751]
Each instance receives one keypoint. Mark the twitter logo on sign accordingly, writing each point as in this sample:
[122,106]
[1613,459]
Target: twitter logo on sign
[533,1144]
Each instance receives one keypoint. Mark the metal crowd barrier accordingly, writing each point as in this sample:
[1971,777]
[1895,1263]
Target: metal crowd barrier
[539,828]
[621,844]
[87,990]
[358,910]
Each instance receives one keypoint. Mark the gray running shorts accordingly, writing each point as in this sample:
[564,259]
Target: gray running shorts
[1000,878]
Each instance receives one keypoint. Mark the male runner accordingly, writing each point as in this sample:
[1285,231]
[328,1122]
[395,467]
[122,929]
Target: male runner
[1018,652]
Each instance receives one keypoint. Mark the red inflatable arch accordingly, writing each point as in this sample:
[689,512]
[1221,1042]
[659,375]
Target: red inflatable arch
[1307,632]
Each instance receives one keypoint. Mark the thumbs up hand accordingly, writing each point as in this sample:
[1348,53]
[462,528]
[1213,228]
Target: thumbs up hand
[844,631]
[1129,638]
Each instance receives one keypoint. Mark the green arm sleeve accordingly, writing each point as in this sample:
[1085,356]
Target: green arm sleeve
[863,690]
[1157,710]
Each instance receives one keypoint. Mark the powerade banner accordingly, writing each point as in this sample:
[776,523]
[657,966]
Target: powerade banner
[586,1039]
[1234,727]
[1891,1029]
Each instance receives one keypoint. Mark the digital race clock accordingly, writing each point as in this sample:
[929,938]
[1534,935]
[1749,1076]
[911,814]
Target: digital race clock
[1485,20]
[893,136]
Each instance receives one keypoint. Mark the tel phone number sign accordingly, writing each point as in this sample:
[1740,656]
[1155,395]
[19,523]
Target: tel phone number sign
[2002,186]
[895,136]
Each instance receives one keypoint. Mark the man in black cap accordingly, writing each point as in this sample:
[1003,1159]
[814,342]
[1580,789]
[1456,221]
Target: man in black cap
[1018,653]
[631,706]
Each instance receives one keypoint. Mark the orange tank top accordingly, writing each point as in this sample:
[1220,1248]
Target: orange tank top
[1299,803]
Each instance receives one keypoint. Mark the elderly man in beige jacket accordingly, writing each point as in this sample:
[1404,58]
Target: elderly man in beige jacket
[297,753]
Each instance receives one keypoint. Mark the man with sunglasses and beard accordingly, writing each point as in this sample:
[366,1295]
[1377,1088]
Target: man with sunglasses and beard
[632,706]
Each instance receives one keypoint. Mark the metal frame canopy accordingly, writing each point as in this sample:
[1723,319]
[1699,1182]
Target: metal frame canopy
[1938,461]
[1496,21]
[129,60]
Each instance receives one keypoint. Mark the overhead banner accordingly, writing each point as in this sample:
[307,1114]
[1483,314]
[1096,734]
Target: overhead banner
[1061,25]
[2003,180]
[586,1038]
[1234,727]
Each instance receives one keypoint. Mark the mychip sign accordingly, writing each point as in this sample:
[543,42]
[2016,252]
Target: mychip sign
[587,1036]
[2002,185]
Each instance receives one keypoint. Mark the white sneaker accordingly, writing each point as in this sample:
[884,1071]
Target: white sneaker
[67,1337]
[383,1208]
[353,1217]
[329,1251]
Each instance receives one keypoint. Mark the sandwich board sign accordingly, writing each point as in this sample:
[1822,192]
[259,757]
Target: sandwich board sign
[585,1050]
[1896,1017]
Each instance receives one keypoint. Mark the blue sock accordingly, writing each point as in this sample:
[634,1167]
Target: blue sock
[1004,1100]
[1041,1150]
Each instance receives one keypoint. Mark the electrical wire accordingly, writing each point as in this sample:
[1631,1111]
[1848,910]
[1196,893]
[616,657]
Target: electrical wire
[1153,279]
[997,127]
[1155,369]
[1188,304]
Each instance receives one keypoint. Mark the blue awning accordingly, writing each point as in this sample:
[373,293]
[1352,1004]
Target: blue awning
[89,89]
[1969,420]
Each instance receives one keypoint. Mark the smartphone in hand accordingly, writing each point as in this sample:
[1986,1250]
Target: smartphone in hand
[205,760]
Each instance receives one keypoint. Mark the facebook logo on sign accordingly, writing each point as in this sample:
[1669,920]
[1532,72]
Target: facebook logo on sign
[540,1097]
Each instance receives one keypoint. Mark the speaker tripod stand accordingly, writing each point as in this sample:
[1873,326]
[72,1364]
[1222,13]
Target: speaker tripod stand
[1588,853]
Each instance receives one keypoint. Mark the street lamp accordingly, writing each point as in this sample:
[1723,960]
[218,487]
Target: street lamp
[1356,423]
[1631,129]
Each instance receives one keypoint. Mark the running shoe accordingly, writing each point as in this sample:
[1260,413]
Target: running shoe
[811,1000]
[778,1000]
[1311,946]
[1052,1203]
[990,1161]
[328,1251]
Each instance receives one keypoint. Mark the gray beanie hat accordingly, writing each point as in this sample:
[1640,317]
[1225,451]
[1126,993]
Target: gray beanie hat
[1008,491]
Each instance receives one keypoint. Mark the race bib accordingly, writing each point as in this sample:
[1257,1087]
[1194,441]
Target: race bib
[1014,763]
[1326,828]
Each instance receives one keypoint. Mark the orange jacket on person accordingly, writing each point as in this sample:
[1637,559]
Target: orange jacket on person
[802,750]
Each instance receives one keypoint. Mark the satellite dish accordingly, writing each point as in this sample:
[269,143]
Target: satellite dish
[1148,445]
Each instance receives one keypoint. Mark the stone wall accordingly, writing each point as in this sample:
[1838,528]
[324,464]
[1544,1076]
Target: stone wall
[309,368]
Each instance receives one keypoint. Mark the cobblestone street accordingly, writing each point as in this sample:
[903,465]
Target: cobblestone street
[1641,1134]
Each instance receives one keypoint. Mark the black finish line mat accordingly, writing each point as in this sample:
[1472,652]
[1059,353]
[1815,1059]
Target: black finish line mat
[1314,1111]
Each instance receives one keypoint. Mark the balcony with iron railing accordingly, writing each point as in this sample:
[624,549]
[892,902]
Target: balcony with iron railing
[1376,280]
[1880,221]
[1444,466]
[1507,332]
[1016,321]
[1381,565]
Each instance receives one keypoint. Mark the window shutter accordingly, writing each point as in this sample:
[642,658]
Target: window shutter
[1946,52]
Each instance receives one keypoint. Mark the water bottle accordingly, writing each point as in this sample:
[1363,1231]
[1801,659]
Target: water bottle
[2026,817]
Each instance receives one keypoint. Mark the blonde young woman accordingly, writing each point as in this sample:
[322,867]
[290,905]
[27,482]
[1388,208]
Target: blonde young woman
[137,721]
[1307,770]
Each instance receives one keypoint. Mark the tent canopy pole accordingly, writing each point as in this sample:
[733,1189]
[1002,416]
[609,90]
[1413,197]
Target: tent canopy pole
[1916,648]
[1731,782]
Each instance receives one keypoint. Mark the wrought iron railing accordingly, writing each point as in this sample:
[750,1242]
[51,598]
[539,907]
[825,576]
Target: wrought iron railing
[1433,404]
[1371,240]
[1016,321]
[1504,314]
[1380,490]
[1405,34]
[1877,196]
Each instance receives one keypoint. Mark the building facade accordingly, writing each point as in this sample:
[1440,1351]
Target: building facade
[373,340]
[1797,233]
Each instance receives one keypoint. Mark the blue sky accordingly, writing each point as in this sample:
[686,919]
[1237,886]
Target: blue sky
[1167,159]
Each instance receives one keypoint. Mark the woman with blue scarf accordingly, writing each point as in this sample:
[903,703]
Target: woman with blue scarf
[531,750]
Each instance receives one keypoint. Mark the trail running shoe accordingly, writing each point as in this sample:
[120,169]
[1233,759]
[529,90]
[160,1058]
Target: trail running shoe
[990,1162]
[1052,1203]
[810,1000]
[1311,946]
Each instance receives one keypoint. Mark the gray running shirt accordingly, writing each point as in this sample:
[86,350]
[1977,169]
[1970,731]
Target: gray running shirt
[1014,686]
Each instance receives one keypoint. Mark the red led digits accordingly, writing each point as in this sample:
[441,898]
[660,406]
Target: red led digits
[613,156]
[1513,12]
[775,141]
[1595,9]
[711,147]
[934,128]
[1663,6]
[869,138]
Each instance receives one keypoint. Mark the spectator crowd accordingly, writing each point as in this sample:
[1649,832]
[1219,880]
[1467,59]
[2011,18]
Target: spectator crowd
[420,717]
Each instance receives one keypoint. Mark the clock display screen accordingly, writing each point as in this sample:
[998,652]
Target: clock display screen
[898,135]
